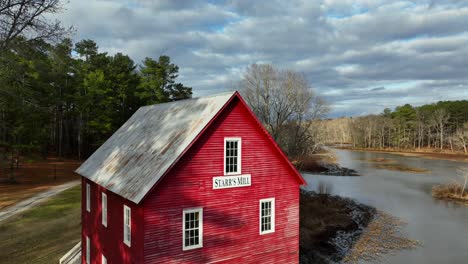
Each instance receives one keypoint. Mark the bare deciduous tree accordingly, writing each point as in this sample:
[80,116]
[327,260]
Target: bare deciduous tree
[461,137]
[440,119]
[285,103]
[28,18]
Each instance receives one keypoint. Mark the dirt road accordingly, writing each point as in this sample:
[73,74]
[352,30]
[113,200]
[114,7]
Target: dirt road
[34,200]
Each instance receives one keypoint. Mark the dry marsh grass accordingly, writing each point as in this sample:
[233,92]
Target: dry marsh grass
[382,236]
[400,167]
[379,160]
[450,191]
[391,164]
[456,190]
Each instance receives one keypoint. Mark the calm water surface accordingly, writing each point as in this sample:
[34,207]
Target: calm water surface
[442,227]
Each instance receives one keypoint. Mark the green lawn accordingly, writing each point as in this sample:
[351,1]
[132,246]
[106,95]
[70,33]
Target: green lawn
[44,233]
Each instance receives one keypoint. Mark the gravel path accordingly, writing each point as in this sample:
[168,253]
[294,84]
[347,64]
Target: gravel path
[36,199]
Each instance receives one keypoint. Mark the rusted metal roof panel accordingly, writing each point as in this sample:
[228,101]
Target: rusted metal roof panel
[139,153]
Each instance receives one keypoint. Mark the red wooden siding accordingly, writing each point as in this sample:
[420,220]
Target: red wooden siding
[109,240]
[230,216]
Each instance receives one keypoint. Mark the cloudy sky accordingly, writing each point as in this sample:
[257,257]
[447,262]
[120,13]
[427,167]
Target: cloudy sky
[361,56]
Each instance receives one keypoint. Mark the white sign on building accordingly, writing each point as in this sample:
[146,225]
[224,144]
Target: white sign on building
[223,182]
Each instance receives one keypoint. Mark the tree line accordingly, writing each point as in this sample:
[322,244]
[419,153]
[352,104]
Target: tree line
[64,97]
[68,98]
[442,126]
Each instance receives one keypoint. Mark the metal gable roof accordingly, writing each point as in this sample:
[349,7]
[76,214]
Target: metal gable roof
[140,152]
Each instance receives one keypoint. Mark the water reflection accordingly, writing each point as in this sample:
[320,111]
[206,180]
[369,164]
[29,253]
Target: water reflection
[441,226]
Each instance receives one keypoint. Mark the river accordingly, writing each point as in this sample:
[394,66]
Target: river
[441,226]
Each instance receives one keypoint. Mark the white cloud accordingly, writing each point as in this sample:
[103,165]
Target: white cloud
[345,48]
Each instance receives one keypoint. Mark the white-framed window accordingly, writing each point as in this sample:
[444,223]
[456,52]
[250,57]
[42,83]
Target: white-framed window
[127,225]
[88,197]
[232,155]
[88,251]
[103,259]
[267,216]
[104,209]
[192,226]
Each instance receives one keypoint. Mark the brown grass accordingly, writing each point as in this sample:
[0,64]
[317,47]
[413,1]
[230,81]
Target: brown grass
[379,160]
[382,236]
[390,164]
[35,177]
[451,191]
[400,167]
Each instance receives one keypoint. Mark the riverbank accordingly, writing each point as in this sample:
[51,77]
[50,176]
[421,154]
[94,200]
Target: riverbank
[423,153]
[329,226]
[340,230]
[323,164]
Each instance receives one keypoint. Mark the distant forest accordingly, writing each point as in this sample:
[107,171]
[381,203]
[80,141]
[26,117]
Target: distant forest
[442,126]
[67,98]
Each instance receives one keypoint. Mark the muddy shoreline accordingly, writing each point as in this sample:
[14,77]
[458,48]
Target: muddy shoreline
[330,226]
[323,164]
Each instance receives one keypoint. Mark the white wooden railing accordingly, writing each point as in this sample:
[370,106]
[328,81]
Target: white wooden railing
[73,256]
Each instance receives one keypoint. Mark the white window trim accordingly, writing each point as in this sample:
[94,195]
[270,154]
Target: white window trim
[200,229]
[103,259]
[104,208]
[129,241]
[239,155]
[88,251]
[272,200]
[88,197]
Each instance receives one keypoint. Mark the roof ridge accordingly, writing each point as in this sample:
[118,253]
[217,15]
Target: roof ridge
[190,99]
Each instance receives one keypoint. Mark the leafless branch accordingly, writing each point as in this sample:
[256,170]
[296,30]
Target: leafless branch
[27,18]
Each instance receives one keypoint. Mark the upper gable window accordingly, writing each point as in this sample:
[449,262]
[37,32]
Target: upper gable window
[232,156]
